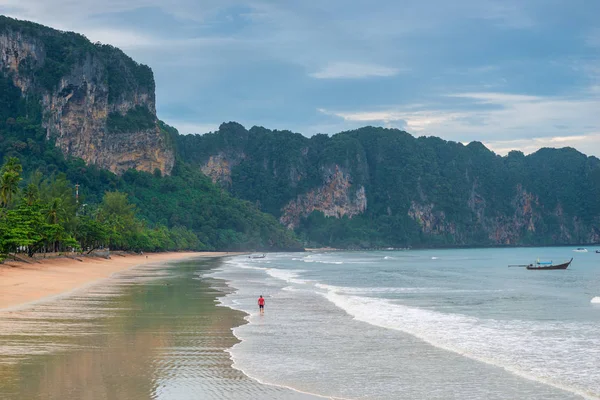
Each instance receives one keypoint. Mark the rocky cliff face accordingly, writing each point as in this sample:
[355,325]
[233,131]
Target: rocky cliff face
[78,98]
[507,230]
[419,191]
[431,221]
[335,198]
[218,167]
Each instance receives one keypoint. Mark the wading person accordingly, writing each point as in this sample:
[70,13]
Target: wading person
[261,304]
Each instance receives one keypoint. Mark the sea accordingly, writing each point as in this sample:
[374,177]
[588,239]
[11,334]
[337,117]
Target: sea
[419,324]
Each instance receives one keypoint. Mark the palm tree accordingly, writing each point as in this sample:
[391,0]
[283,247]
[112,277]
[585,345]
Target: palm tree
[55,210]
[9,184]
[9,180]
[31,194]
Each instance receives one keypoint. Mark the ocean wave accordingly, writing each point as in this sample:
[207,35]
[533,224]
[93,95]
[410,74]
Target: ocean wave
[384,290]
[287,275]
[251,267]
[595,300]
[375,290]
[521,347]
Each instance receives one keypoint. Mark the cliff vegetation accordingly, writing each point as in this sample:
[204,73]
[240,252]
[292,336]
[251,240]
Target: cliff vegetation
[376,187]
[151,211]
[95,102]
[72,111]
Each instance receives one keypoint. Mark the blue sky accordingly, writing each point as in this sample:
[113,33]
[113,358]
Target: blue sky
[511,74]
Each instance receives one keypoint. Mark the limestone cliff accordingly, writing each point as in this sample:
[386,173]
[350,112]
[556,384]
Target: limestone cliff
[218,167]
[83,87]
[431,221]
[420,191]
[500,229]
[508,230]
[335,198]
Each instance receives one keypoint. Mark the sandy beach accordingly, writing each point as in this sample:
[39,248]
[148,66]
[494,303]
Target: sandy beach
[153,331]
[22,283]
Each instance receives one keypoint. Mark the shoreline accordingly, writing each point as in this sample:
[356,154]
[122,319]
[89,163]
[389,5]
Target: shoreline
[154,314]
[243,318]
[23,284]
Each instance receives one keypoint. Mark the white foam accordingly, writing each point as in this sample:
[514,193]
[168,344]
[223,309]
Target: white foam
[254,268]
[521,347]
[561,354]
[243,265]
[595,300]
[375,290]
[287,275]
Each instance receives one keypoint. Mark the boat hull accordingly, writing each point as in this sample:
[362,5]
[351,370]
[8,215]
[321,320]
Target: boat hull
[550,267]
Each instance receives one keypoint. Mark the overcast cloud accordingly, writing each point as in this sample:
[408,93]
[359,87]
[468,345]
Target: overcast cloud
[513,74]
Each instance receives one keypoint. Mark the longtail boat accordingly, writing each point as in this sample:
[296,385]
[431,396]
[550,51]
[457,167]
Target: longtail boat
[547,266]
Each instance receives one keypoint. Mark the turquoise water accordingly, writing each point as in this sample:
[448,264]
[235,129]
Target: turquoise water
[431,324]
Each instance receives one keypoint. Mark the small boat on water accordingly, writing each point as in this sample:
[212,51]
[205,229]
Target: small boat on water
[263,256]
[541,265]
[581,250]
[598,251]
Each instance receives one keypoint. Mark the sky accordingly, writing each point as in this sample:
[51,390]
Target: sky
[513,74]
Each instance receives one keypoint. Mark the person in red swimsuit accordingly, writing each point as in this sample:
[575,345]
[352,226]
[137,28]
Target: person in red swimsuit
[261,304]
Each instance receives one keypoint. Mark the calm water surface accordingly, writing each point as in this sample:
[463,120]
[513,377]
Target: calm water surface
[434,324]
[150,333]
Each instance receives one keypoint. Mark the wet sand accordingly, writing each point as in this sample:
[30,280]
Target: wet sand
[22,283]
[150,332]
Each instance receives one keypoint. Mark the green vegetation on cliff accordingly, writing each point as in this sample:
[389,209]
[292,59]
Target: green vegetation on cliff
[182,211]
[363,188]
[63,50]
[419,191]
[136,119]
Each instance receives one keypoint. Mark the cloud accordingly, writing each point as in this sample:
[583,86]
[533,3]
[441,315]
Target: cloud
[500,119]
[345,70]
[488,70]
[592,38]
[588,144]
[497,98]
[413,121]
[121,38]
[128,40]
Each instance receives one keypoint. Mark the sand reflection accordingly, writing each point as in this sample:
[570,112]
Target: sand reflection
[150,333]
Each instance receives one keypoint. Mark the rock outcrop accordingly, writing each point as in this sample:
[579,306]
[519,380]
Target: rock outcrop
[80,86]
[420,191]
[335,198]
[431,221]
[218,167]
[500,229]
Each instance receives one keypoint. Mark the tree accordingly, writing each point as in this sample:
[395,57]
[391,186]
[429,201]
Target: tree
[31,194]
[10,176]
[91,233]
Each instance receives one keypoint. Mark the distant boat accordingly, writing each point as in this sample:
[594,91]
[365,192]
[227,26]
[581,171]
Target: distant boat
[598,251]
[548,265]
[263,256]
[581,250]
